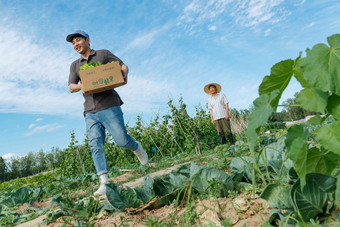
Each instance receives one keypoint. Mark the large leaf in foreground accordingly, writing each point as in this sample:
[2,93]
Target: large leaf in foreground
[321,161]
[329,136]
[280,75]
[277,196]
[337,192]
[313,99]
[321,67]
[333,106]
[311,200]
[297,148]
[263,110]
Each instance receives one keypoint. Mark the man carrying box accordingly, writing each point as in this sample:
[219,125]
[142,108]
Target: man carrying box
[219,111]
[101,110]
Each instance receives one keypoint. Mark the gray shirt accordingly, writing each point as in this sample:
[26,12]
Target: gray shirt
[102,100]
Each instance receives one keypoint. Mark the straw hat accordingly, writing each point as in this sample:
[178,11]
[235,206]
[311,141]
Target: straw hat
[218,88]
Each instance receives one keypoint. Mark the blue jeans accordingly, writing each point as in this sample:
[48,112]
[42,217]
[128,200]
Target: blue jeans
[112,120]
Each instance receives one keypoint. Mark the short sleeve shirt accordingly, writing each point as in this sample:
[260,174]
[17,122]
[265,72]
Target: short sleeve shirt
[217,105]
[102,100]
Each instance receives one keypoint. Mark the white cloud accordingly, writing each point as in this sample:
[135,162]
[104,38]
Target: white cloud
[34,77]
[8,156]
[212,28]
[252,13]
[30,63]
[43,129]
[39,119]
[247,13]
[311,25]
[143,41]
[267,32]
[298,3]
[199,11]
[143,95]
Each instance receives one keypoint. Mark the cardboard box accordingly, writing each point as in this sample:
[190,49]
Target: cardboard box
[101,78]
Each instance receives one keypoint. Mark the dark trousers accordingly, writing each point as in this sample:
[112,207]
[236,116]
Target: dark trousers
[222,127]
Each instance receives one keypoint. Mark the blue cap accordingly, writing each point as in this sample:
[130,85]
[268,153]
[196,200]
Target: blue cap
[70,37]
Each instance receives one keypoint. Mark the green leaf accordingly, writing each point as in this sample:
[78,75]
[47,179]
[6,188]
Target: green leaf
[243,166]
[337,192]
[146,194]
[21,196]
[277,196]
[36,193]
[204,176]
[329,136]
[280,75]
[298,74]
[333,106]
[162,187]
[321,161]
[273,156]
[263,110]
[194,169]
[313,100]
[321,67]
[179,181]
[297,148]
[167,199]
[121,198]
[311,200]
[316,120]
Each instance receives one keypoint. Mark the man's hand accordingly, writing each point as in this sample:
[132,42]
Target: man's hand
[125,78]
[212,121]
[76,87]
[227,116]
[125,71]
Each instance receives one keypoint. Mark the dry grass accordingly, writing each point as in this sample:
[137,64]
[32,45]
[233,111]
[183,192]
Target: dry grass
[239,123]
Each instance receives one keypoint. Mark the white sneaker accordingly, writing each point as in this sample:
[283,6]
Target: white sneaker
[101,190]
[141,154]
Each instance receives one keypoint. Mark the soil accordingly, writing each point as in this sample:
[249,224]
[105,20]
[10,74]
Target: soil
[252,212]
[240,210]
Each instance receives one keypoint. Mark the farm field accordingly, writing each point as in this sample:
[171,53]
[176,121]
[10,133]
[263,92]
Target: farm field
[243,208]
[272,176]
[217,191]
[206,207]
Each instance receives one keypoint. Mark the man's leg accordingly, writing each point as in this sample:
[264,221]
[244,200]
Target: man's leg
[223,140]
[220,132]
[113,121]
[96,135]
[227,128]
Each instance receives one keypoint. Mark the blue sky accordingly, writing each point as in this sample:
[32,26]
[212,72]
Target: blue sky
[173,48]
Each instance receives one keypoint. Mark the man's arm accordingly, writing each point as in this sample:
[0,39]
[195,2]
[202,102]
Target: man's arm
[125,71]
[74,87]
[227,111]
[211,116]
